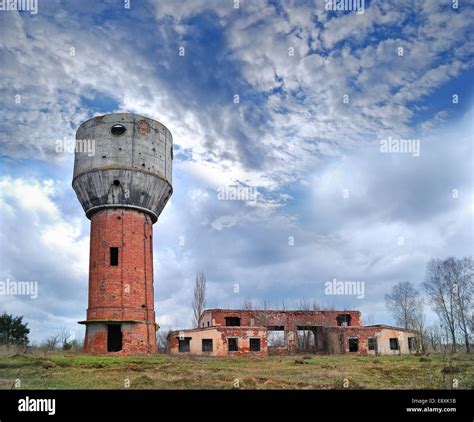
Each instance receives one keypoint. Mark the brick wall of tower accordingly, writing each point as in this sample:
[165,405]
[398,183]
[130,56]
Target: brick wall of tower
[123,292]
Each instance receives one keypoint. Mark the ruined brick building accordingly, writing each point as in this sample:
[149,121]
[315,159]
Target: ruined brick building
[224,332]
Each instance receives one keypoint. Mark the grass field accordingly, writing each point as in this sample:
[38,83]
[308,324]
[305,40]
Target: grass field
[78,371]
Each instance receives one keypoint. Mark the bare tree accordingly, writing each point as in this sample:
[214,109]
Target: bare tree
[248,304]
[199,301]
[162,341]
[444,336]
[404,303]
[443,287]
[51,342]
[434,336]
[450,287]
[304,305]
[77,345]
[266,305]
[369,320]
[464,292]
[419,324]
[64,336]
[305,337]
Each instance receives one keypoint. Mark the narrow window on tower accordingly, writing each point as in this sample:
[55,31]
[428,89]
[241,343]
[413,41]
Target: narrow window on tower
[114,256]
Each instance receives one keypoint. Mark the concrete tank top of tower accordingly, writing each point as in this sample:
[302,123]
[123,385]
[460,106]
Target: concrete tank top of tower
[131,166]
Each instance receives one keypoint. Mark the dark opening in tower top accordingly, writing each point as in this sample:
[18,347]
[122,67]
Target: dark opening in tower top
[118,130]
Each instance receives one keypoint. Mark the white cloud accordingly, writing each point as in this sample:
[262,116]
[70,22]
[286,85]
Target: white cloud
[41,244]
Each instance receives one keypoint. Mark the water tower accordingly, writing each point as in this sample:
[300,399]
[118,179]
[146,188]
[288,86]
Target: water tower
[123,185]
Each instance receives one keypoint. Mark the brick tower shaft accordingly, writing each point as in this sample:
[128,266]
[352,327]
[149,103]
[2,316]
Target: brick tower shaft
[121,283]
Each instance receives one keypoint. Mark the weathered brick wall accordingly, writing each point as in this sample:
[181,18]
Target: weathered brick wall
[329,338]
[219,336]
[123,292]
[244,335]
[289,319]
[362,334]
[382,336]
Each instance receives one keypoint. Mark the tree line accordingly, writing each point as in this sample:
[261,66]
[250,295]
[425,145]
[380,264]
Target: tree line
[448,289]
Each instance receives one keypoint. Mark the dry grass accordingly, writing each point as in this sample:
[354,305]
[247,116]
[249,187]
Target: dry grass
[78,371]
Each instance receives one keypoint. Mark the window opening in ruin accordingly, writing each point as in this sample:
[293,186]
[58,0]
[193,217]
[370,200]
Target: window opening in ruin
[394,343]
[255,345]
[184,344]
[232,322]
[207,344]
[276,336]
[353,344]
[344,320]
[305,337]
[371,343]
[232,344]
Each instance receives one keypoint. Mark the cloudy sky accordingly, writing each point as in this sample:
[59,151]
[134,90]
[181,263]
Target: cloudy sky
[284,97]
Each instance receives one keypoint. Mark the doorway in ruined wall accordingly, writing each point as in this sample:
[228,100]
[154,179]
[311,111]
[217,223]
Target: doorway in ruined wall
[114,338]
[276,343]
[312,339]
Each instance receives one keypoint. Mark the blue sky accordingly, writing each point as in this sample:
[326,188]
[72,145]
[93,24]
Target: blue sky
[314,158]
